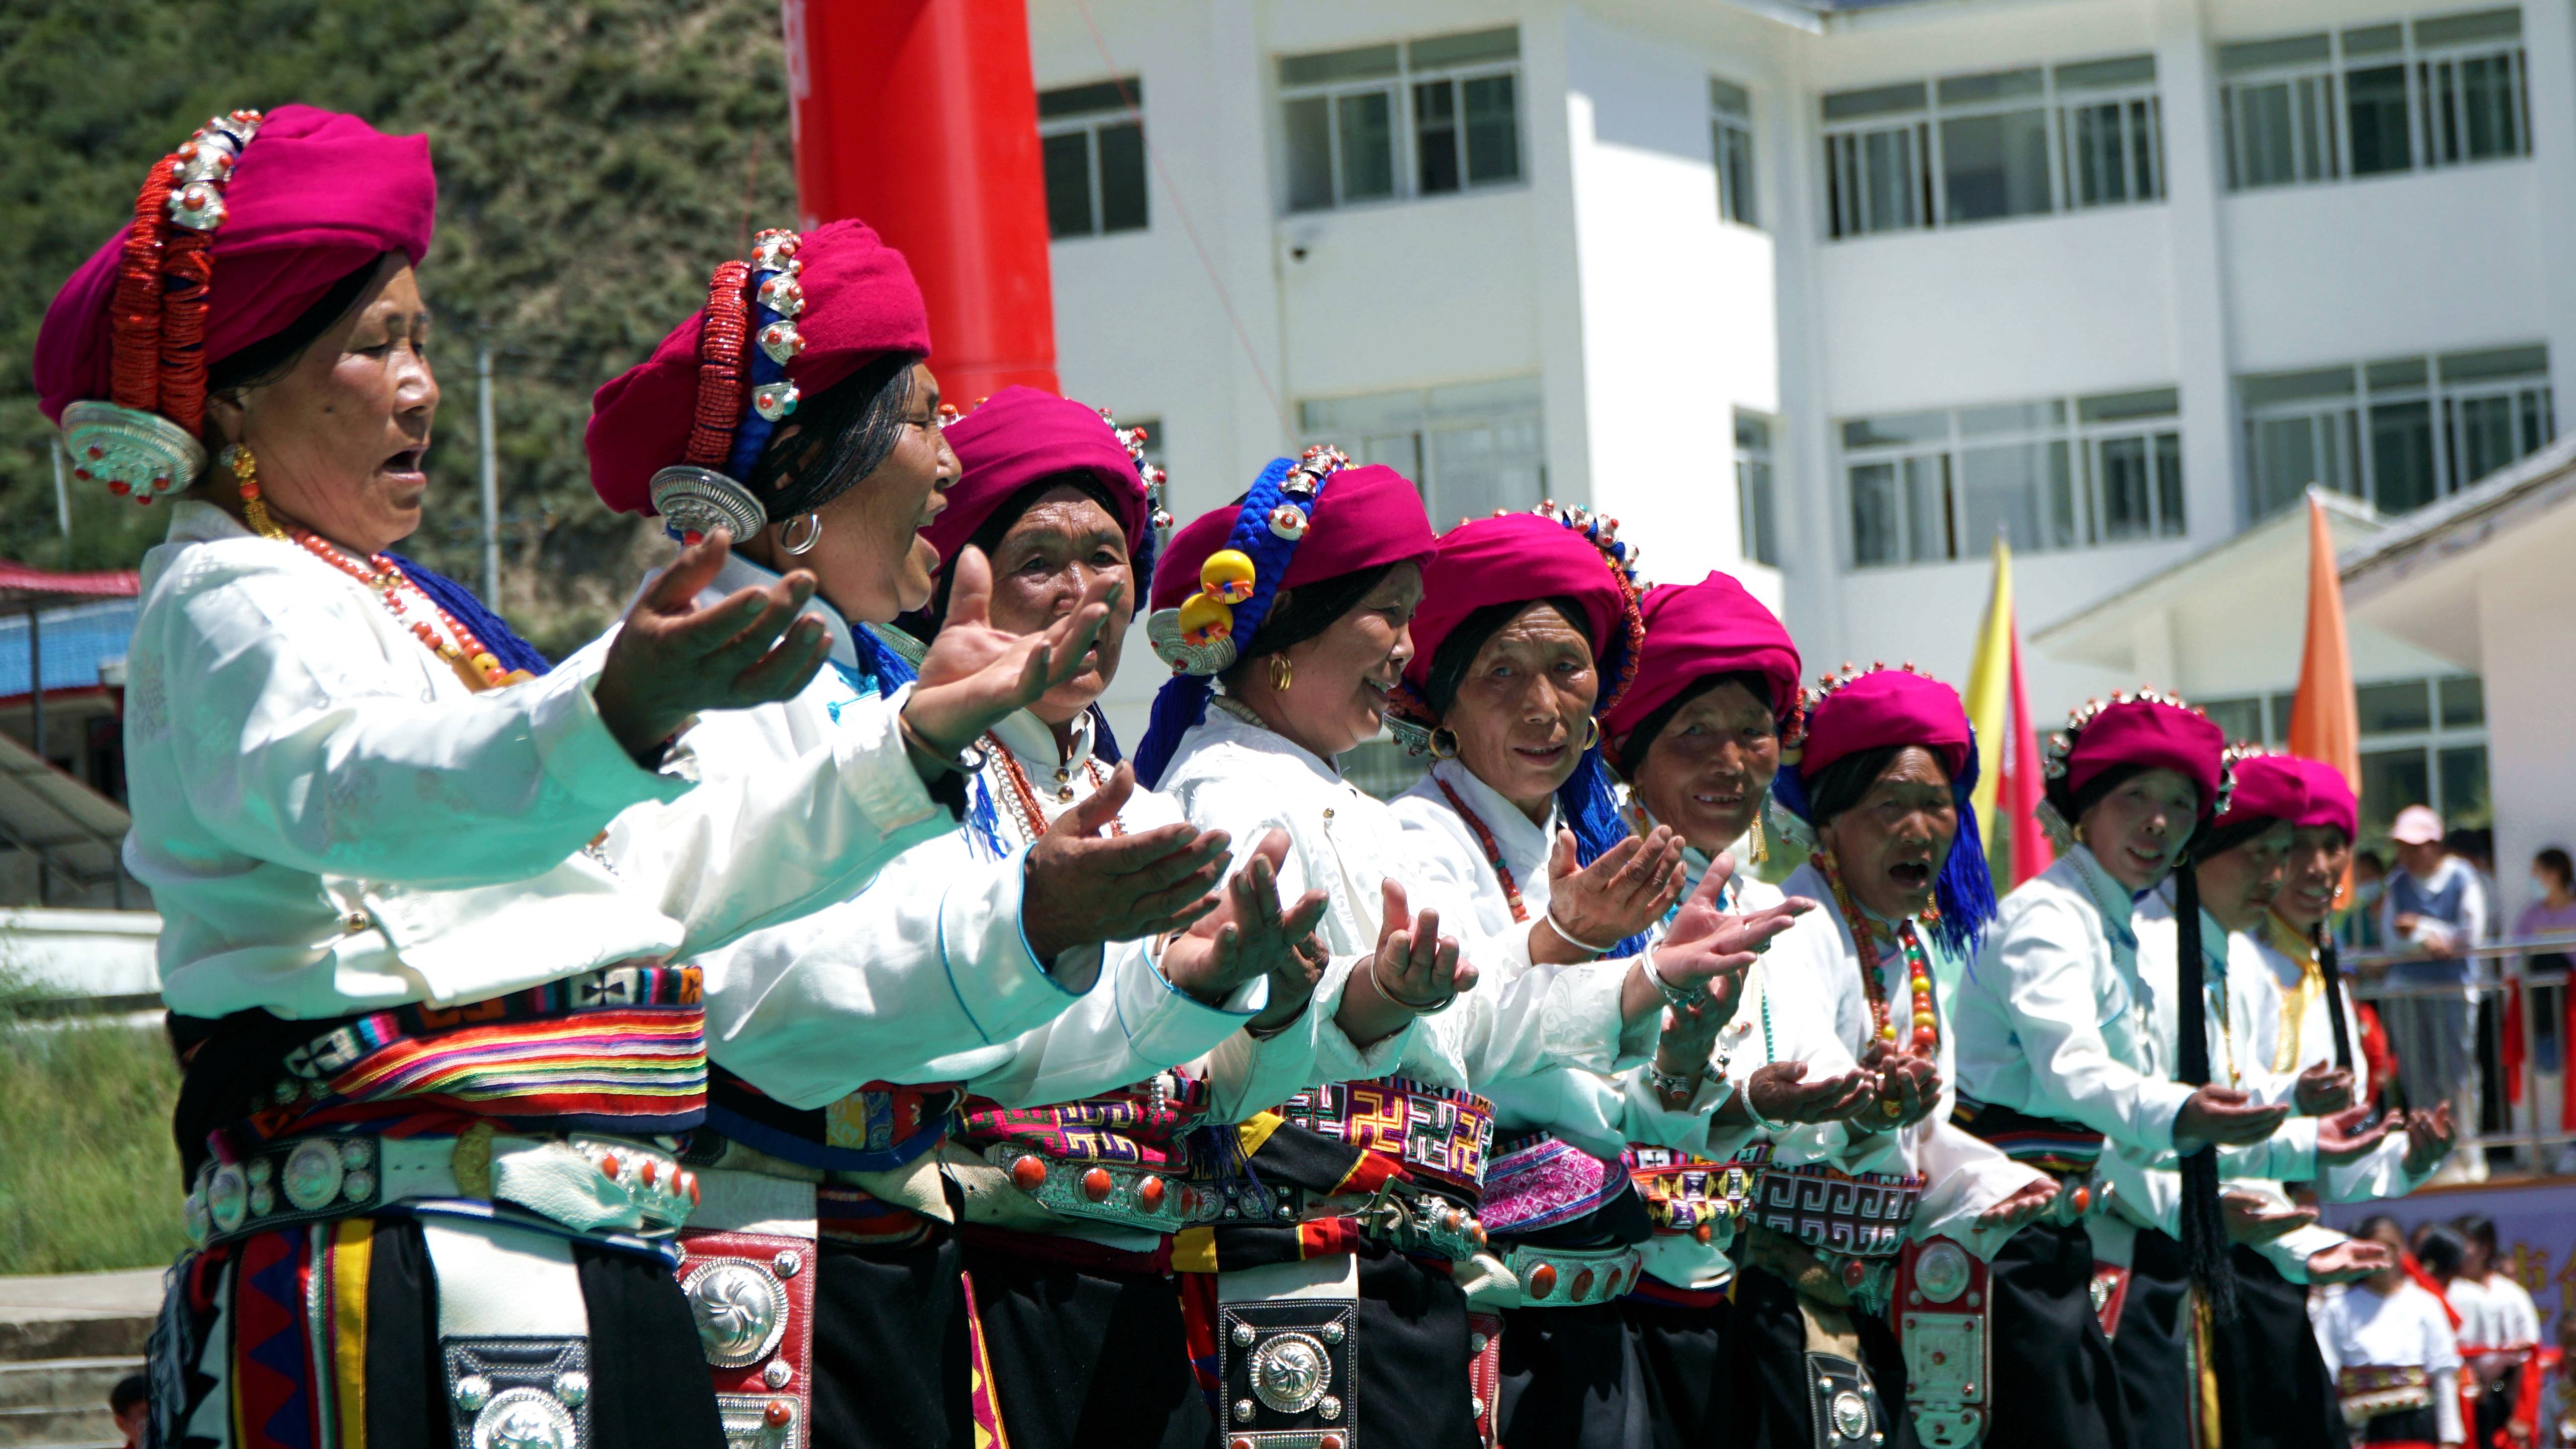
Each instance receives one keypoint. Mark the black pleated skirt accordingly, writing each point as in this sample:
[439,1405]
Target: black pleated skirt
[1087,1357]
[1572,1379]
[890,1346]
[2151,1345]
[2054,1384]
[2290,1402]
[1681,1354]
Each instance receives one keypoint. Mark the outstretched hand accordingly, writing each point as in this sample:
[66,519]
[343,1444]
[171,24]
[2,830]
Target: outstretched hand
[2027,1202]
[1248,935]
[2226,1117]
[1086,887]
[1413,972]
[1706,948]
[1625,890]
[2350,1135]
[974,674]
[2253,1220]
[2350,1261]
[1780,1092]
[2322,1089]
[671,658]
[2430,1135]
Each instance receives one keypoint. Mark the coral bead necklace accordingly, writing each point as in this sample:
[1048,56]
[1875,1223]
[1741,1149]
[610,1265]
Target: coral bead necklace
[1924,1038]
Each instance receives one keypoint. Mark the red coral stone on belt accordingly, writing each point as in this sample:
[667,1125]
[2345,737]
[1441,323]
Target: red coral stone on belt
[1854,1270]
[1028,1173]
[1583,1284]
[1149,1194]
[1542,1280]
[1096,1184]
[778,1413]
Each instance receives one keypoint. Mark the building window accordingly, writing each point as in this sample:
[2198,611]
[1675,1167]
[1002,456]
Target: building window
[1471,448]
[2423,742]
[2375,99]
[1731,126]
[1754,495]
[1998,144]
[2056,474]
[1422,118]
[2398,433]
[1092,141]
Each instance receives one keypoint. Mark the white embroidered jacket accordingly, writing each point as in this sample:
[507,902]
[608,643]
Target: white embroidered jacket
[331,821]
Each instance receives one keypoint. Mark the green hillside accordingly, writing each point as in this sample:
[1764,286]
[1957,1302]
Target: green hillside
[594,161]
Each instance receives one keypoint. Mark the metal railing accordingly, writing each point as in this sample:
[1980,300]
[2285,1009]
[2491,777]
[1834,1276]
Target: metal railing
[2536,970]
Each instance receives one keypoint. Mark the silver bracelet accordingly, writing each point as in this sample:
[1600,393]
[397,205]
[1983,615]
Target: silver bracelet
[1754,1114]
[1417,1008]
[1679,998]
[1571,939]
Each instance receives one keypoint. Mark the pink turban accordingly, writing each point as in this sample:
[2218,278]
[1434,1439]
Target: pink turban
[1887,707]
[317,195]
[2152,734]
[1019,436]
[1363,517]
[2330,800]
[1696,630]
[860,304]
[2268,787]
[1522,558]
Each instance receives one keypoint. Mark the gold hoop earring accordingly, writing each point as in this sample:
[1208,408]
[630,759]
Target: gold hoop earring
[1593,736]
[1444,750]
[1282,673]
[1761,845]
[796,547]
[245,470]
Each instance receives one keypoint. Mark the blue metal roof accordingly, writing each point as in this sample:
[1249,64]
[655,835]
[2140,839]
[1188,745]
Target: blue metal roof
[77,640]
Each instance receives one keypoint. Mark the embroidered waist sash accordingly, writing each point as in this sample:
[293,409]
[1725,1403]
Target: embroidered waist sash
[1862,1215]
[2370,1390]
[1437,1133]
[619,1050]
[2066,1149]
[877,1128]
[1693,1196]
[1539,1182]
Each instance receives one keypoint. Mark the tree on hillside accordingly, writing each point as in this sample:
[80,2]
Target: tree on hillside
[595,160]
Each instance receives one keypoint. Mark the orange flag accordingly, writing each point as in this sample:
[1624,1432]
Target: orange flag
[2325,718]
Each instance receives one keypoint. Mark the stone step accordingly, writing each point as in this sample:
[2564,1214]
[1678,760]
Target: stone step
[59,1428]
[63,1383]
[77,1315]
[40,1340]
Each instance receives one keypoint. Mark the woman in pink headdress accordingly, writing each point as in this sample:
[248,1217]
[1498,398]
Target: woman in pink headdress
[1531,632]
[415,956]
[2059,1056]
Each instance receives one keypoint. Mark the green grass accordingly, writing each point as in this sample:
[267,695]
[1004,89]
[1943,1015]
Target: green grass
[88,1176]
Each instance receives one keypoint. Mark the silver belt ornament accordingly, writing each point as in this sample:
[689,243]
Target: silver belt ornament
[1288,1366]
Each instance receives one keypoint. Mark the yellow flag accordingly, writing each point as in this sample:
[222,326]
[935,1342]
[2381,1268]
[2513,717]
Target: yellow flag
[1989,694]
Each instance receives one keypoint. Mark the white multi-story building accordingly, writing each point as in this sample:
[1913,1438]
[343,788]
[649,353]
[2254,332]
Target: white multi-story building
[1826,294]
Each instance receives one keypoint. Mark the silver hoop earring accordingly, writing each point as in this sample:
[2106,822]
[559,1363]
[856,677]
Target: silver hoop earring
[794,547]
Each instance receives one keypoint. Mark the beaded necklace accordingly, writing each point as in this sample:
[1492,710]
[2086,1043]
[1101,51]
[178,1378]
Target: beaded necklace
[1023,798]
[1926,1035]
[1493,852]
[464,653]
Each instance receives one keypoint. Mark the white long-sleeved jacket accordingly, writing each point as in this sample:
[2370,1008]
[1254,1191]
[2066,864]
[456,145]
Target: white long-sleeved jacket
[332,821]
[2288,1031]
[1964,1175]
[1234,774]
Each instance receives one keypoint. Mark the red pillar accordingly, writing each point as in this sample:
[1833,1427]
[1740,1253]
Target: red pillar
[919,117]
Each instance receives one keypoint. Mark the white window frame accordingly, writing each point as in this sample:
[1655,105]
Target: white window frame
[1087,124]
[2438,738]
[1404,139]
[1943,459]
[1926,184]
[1757,485]
[1410,419]
[2320,87]
[1738,186]
[2339,422]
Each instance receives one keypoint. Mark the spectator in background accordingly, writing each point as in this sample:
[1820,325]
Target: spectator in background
[2510,1323]
[2432,911]
[2558,1401]
[131,1402]
[2552,911]
[2476,850]
[2394,1354]
[2359,927]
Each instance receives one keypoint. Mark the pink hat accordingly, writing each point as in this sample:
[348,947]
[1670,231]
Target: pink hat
[315,196]
[1696,630]
[1019,436]
[2330,798]
[2416,825]
[859,303]
[1363,517]
[2267,787]
[1520,558]
[1886,707]
[2149,730]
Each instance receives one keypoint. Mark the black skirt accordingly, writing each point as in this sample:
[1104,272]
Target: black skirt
[1774,1406]
[890,1346]
[648,1374]
[1086,1357]
[1411,1368]
[1681,1352]
[2151,1345]
[1572,1379]
[2054,1384]
[2290,1402]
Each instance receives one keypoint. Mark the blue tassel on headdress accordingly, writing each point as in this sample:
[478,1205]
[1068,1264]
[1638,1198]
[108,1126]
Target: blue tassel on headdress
[1965,891]
[459,601]
[1104,744]
[1182,702]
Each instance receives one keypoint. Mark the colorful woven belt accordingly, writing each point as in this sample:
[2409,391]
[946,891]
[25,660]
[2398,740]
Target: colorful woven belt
[1142,1126]
[1543,1182]
[2066,1149]
[2370,1390]
[619,1050]
[1694,1195]
[1434,1131]
[877,1128]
